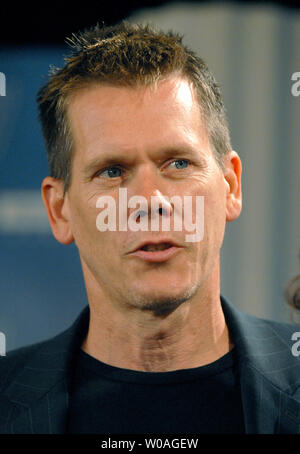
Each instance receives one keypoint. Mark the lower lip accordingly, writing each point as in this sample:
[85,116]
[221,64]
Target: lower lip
[156,256]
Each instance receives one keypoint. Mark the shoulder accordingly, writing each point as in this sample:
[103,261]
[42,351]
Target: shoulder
[268,346]
[15,360]
[283,329]
[270,332]
[54,354]
[248,325]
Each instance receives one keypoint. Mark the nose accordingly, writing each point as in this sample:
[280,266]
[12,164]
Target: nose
[161,207]
[149,189]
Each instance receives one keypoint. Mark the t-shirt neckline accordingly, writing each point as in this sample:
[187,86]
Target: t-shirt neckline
[86,361]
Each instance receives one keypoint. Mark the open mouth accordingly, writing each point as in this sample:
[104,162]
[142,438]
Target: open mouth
[156,247]
[159,252]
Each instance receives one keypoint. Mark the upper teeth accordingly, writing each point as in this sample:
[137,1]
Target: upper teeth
[156,247]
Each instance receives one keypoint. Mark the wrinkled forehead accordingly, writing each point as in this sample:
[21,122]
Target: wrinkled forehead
[135,116]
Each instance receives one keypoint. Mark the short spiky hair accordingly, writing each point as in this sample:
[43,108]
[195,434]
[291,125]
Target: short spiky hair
[124,55]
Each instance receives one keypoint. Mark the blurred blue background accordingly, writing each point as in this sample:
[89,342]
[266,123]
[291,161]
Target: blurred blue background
[41,285]
[253,50]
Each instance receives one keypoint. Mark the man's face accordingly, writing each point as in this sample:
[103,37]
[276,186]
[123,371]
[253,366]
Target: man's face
[151,142]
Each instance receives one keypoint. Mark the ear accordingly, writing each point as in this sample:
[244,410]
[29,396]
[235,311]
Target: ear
[233,175]
[56,204]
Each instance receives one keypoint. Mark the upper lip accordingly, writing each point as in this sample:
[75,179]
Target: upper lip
[166,240]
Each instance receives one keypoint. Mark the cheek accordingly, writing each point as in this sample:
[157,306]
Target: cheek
[214,216]
[83,224]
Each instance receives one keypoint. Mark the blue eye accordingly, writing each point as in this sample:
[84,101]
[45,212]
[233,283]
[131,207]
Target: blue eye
[112,172]
[180,163]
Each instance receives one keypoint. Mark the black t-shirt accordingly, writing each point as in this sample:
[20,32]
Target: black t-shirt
[109,400]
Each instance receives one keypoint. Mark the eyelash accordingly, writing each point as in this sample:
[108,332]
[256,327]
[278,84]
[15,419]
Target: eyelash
[117,167]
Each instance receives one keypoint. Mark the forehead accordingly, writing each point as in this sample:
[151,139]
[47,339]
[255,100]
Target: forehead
[127,118]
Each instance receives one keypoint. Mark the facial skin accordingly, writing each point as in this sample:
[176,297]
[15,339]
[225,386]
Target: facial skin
[146,316]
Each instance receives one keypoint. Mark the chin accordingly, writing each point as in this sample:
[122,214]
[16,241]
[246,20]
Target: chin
[161,302]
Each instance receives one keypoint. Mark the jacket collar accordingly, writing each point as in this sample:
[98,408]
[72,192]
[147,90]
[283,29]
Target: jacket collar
[36,401]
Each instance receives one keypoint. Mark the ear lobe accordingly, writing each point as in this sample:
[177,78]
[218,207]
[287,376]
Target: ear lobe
[232,175]
[56,205]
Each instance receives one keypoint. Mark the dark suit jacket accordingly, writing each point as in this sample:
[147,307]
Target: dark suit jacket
[34,380]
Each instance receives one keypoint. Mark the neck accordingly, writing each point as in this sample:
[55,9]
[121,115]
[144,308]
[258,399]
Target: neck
[192,335]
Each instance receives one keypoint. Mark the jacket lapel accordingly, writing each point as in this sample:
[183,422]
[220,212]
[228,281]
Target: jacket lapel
[46,415]
[269,373]
[36,401]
